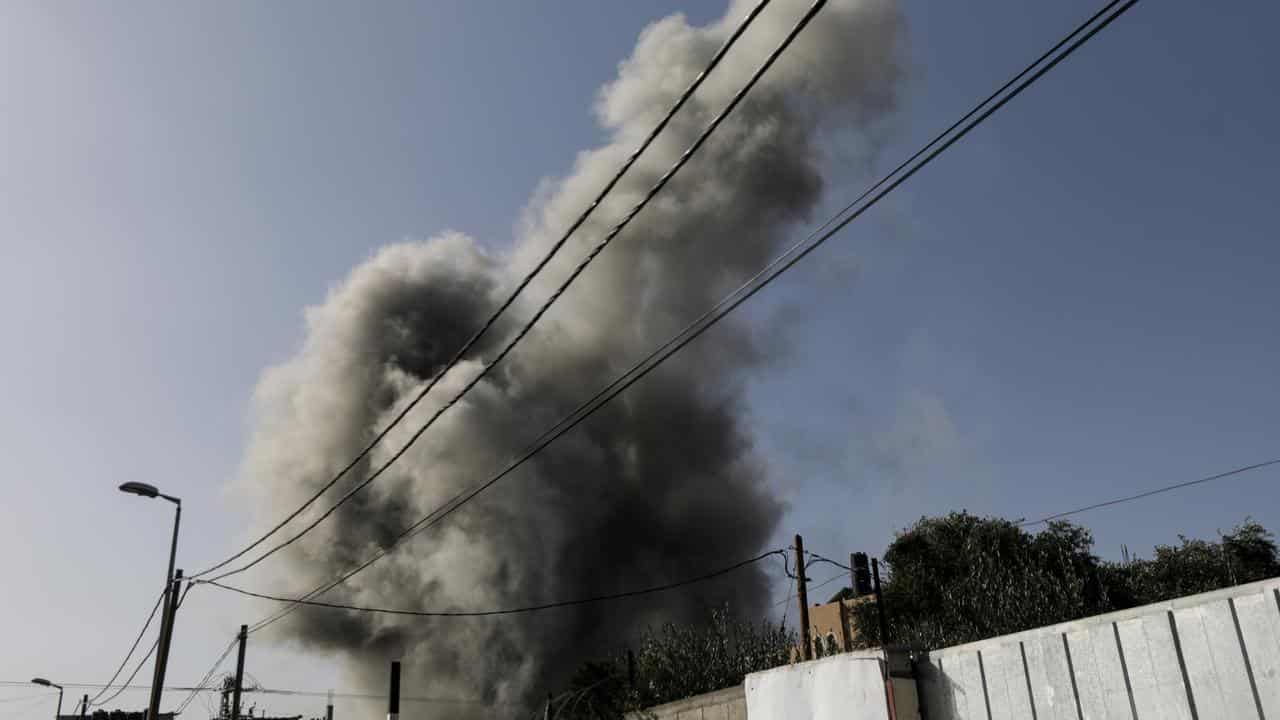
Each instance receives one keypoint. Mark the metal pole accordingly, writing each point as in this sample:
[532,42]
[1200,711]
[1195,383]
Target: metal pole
[173,544]
[166,640]
[546,712]
[235,692]
[393,706]
[806,648]
[328,709]
[166,621]
[84,706]
[881,614]
[58,714]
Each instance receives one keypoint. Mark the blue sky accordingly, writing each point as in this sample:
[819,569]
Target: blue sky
[1078,301]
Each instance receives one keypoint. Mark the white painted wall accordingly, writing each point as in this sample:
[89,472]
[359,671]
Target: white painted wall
[849,686]
[1217,652]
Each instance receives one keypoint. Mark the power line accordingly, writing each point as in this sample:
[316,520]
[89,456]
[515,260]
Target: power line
[132,675]
[204,687]
[793,255]
[141,662]
[27,697]
[828,581]
[382,698]
[1149,493]
[524,282]
[92,686]
[507,611]
[200,686]
[93,700]
[819,559]
[577,271]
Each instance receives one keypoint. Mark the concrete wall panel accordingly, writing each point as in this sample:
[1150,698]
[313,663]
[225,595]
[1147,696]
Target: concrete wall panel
[968,689]
[1099,673]
[1259,615]
[1006,683]
[1050,680]
[1154,671]
[1215,663]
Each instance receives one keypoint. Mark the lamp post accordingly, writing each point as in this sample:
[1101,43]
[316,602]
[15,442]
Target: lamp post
[170,595]
[46,683]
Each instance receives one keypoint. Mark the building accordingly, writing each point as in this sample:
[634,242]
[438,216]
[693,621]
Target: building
[831,628]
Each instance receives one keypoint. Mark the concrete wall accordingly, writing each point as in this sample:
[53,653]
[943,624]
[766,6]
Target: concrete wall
[728,704]
[848,686]
[1215,655]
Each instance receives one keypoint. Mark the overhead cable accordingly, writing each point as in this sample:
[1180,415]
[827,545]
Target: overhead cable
[132,675]
[159,599]
[1149,493]
[141,662]
[784,262]
[204,682]
[507,611]
[383,698]
[788,259]
[573,275]
[520,287]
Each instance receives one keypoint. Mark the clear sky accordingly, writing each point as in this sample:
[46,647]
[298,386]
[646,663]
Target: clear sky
[1078,302]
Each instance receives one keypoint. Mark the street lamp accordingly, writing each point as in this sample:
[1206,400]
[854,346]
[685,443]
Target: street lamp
[170,597]
[46,683]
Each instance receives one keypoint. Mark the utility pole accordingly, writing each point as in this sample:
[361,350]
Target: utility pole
[393,705]
[166,636]
[802,592]
[880,611]
[84,706]
[171,597]
[235,692]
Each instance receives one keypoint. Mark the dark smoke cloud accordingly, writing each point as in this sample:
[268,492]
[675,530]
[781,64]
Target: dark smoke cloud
[663,483]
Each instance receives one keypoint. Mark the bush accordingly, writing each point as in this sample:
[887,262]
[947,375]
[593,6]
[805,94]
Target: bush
[674,662]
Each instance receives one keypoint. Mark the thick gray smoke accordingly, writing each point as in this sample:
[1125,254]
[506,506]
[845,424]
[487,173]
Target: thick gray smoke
[662,484]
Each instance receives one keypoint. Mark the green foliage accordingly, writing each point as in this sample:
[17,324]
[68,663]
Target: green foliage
[674,662]
[949,580]
[1245,554]
[959,578]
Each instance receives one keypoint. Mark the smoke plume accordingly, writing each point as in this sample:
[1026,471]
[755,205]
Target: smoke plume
[664,482]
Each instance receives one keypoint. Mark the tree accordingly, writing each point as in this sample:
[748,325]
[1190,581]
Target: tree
[959,578]
[1245,554]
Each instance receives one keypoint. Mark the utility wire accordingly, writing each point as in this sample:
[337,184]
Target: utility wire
[793,255]
[382,698]
[92,686]
[595,251]
[27,697]
[524,283]
[1149,493]
[132,675]
[141,662]
[264,691]
[819,559]
[159,599]
[204,682]
[828,581]
[508,611]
